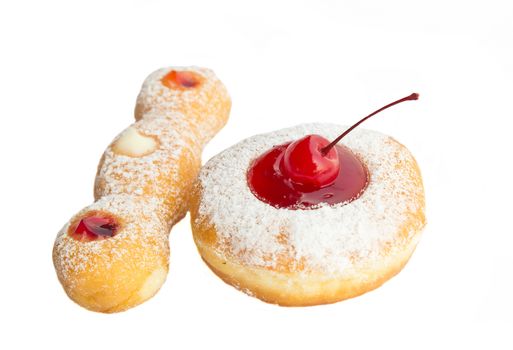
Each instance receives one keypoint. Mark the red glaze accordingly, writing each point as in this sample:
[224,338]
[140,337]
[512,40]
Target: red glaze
[181,79]
[94,226]
[304,164]
[311,171]
[267,181]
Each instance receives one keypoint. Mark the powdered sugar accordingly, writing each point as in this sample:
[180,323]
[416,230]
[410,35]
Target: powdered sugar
[207,105]
[148,190]
[119,174]
[327,238]
[140,221]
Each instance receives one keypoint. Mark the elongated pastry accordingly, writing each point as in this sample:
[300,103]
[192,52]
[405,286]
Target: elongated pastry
[114,254]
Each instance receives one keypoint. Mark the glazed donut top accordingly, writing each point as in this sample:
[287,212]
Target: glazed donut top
[327,238]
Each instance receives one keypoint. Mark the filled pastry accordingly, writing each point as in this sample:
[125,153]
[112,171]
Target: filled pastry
[114,254]
[294,219]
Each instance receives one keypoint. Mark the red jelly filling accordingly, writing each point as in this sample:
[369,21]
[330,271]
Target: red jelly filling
[181,79]
[94,226]
[271,182]
[311,171]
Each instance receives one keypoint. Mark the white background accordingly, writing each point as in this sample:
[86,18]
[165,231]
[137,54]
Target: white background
[69,75]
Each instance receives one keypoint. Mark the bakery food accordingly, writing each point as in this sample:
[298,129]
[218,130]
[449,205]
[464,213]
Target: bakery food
[295,242]
[309,256]
[155,157]
[114,254]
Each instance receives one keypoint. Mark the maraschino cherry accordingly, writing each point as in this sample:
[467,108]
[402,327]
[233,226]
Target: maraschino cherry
[311,170]
[306,166]
[94,226]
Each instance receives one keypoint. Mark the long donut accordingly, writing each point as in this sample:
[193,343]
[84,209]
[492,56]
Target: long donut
[114,254]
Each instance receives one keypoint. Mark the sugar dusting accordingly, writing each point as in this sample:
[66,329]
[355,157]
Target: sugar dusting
[207,105]
[133,189]
[124,174]
[328,238]
[139,215]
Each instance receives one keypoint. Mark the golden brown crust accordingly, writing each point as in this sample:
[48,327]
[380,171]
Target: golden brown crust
[286,286]
[306,289]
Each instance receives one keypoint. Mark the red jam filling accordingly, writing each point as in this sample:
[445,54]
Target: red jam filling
[94,226]
[181,79]
[307,172]
[268,180]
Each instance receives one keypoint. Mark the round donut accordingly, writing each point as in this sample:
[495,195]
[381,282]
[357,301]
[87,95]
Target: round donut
[309,256]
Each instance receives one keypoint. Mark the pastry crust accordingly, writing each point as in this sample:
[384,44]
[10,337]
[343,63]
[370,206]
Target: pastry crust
[306,289]
[316,256]
[143,182]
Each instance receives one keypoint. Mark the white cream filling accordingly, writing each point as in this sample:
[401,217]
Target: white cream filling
[133,144]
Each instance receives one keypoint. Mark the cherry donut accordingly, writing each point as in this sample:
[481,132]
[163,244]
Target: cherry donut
[294,219]
[114,254]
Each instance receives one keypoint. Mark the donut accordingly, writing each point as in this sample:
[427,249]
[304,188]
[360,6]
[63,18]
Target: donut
[114,254]
[311,249]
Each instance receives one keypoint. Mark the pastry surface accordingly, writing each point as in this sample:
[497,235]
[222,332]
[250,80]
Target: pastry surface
[114,254]
[117,273]
[309,256]
[206,104]
[166,172]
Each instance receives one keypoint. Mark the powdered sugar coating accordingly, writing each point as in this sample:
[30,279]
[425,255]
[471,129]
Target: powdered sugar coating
[328,239]
[207,105]
[156,174]
[143,181]
[140,222]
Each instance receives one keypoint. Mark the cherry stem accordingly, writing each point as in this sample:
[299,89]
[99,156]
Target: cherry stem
[327,148]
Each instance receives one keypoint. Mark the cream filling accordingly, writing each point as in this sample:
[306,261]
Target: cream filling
[132,143]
